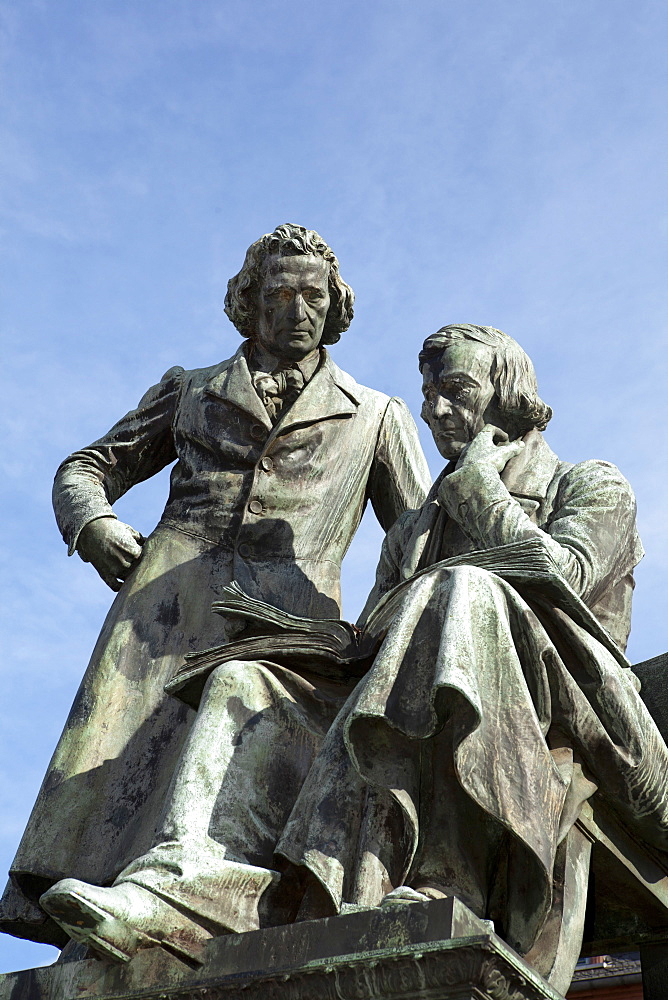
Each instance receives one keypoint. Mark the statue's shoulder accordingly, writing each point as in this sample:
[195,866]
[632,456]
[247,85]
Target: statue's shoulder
[593,474]
[179,374]
[362,394]
[200,376]
[166,390]
[358,393]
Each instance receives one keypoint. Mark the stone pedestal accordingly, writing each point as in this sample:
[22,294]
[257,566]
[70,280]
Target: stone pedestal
[413,951]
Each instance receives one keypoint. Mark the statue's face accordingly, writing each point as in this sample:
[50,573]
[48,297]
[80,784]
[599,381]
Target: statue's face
[459,395]
[293,304]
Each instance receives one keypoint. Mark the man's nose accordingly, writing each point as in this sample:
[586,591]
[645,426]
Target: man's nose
[441,407]
[298,308]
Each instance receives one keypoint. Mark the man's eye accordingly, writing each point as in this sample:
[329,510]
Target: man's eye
[312,294]
[458,391]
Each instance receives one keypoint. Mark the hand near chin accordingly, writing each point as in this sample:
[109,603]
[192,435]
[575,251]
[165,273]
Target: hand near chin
[490,446]
[112,547]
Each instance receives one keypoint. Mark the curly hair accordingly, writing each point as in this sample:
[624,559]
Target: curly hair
[241,301]
[513,374]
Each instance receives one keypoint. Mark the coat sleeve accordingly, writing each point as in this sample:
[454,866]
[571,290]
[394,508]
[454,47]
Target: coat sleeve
[591,533]
[136,448]
[399,477]
[388,571]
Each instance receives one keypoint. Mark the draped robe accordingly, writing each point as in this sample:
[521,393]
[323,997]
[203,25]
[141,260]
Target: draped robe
[461,760]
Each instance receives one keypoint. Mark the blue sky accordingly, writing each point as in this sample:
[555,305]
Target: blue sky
[468,160]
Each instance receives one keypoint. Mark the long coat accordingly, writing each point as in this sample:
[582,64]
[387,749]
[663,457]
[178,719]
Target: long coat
[274,507]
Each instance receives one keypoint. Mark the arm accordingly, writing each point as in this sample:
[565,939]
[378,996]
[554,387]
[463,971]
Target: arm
[388,571]
[92,479]
[399,477]
[589,534]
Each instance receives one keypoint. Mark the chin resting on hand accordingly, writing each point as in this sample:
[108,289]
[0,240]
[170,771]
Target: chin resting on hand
[490,446]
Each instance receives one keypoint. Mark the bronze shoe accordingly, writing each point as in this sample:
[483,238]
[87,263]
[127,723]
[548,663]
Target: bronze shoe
[118,922]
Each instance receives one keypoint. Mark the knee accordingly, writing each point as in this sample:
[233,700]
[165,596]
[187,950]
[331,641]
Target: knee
[232,675]
[477,587]
[472,576]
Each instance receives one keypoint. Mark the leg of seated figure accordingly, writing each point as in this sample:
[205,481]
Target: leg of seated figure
[490,797]
[463,849]
[450,861]
[446,731]
[258,729]
[558,946]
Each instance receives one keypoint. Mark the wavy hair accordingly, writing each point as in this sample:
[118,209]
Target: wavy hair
[241,301]
[513,374]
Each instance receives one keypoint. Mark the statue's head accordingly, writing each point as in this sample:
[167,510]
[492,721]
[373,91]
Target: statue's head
[289,294]
[476,375]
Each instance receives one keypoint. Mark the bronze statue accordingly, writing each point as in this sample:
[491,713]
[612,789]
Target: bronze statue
[498,702]
[277,453]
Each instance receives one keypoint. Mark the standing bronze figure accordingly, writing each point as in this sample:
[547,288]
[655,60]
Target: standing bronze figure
[277,453]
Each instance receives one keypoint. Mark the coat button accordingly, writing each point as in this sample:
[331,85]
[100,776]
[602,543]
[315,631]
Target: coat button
[244,550]
[267,463]
[257,432]
[255,507]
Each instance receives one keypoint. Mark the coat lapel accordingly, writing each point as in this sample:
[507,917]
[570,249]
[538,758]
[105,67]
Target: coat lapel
[527,477]
[330,393]
[231,381]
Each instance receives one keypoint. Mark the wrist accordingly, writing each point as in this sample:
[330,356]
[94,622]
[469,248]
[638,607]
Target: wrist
[470,488]
[89,534]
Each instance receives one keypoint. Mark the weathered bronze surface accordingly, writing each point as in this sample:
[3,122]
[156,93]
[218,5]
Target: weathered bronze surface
[268,495]
[489,710]
[497,734]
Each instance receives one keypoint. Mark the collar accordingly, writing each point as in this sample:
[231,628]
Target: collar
[330,392]
[260,360]
[231,381]
[530,473]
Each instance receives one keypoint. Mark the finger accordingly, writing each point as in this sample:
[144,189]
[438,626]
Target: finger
[498,435]
[111,580]
[122,567]
[140,539]
[128,529]
[130,551]
[505,452]
[127,549]
[515,447]
[126,570]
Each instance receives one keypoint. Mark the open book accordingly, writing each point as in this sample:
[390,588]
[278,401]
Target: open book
[341,651]
[327,647]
